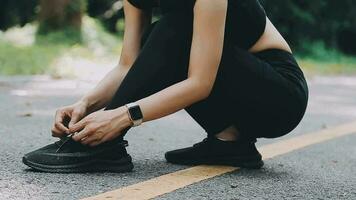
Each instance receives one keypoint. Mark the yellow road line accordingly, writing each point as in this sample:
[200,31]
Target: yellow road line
[176,180]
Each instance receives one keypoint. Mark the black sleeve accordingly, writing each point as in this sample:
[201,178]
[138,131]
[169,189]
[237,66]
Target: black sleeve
[142,4]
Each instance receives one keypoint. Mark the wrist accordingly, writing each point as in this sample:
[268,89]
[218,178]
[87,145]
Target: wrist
[135,113]
[123,116]
[83,102]
[89,105]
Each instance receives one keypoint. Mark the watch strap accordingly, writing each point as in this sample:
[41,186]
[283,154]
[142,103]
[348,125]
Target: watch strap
[135,113]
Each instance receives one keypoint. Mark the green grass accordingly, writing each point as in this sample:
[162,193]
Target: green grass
[344,65]
[316,58]
[40,57]
[26,60]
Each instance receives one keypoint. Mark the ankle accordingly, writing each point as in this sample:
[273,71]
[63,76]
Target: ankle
[226,139]
[229,134]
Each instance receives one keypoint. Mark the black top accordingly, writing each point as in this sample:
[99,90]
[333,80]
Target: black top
[245,21]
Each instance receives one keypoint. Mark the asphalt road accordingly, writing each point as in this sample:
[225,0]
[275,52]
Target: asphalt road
[322,171]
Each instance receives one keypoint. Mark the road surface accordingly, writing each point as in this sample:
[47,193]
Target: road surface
[325,170]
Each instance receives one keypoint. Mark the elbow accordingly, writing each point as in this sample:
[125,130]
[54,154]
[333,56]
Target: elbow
[202,90]
[205,91]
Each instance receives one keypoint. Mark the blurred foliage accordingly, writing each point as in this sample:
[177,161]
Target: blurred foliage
[67,35]
[109,12]
[313,28]
[61,16]
[29,60]
[318,58]
[343,65]
[56,52]
[302,22]
[17,12]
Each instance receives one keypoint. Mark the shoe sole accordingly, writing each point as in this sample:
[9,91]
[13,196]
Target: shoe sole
[118,166]
[242,162]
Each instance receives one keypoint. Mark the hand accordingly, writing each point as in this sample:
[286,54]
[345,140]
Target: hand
[101,126]
[67,116]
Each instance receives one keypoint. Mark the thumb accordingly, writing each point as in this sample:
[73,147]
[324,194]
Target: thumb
[74,119]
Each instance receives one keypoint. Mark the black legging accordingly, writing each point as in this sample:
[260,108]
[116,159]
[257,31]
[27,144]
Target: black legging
[262,94]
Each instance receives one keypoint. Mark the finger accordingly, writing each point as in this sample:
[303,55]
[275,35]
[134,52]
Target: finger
[66,120]
[82,134]
[61,128]
[78,126]
[56,132]
[89,139]
[74,119]
[59,122]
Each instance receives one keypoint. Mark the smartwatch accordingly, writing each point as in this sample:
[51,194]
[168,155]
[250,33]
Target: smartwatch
[135,114]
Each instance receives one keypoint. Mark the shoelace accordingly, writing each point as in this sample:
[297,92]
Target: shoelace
[64,140]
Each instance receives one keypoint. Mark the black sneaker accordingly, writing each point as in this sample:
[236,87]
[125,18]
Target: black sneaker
[212,151]
[68,156]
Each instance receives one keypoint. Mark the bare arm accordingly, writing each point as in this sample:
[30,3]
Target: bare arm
[205,56]
[135,22]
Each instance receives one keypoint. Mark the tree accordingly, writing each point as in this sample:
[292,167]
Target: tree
[61,15]
[302,21]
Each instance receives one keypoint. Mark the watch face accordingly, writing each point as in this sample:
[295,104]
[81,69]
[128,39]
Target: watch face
[135,112]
